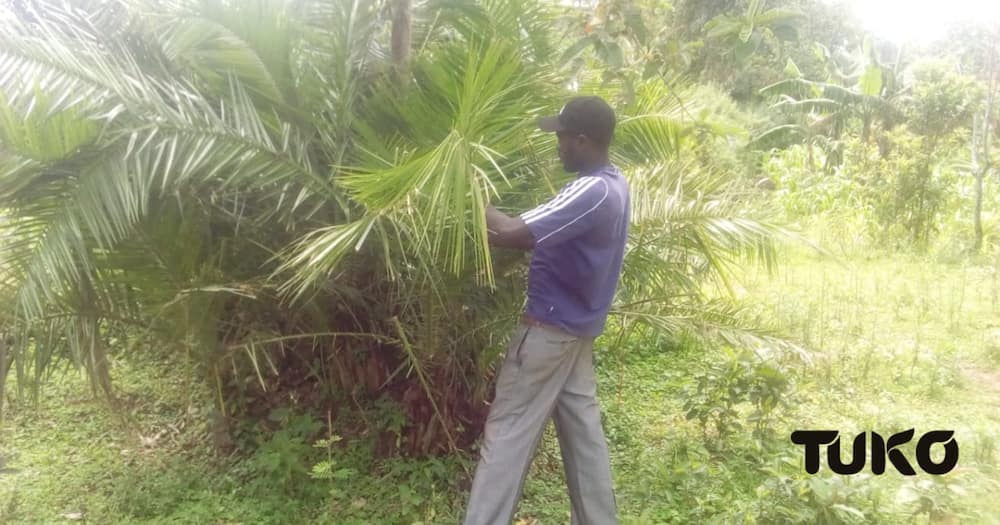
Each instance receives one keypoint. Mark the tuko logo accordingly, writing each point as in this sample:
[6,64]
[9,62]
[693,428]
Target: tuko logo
[881,449]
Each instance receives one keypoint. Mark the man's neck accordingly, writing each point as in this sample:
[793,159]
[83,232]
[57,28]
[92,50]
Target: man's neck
[595,165]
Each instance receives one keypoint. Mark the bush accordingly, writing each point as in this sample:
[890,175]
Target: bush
[717,396]
[797,498]
[896,193]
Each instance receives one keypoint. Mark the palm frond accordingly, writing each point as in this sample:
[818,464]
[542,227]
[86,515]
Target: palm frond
[687,226]
[212,51]
[437,187]
[711,322]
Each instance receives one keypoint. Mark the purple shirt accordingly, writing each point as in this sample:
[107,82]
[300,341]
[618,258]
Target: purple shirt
[579,246]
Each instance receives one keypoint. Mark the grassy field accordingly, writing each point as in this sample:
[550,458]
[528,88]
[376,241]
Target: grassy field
[698,435]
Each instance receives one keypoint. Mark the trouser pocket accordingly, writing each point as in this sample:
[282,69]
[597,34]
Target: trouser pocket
[510,370]
[556,336]
[517,342]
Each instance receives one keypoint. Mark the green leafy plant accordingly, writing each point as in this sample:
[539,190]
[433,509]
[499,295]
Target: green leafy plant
[716,396]
[284,456]
[745,32]
[819,500]
[329,469]
[934,497]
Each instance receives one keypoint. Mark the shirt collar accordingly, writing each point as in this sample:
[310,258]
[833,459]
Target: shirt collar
[610,169]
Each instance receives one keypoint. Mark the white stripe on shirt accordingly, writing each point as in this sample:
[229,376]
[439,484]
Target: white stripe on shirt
[594,207]
[566,192]
[565,202]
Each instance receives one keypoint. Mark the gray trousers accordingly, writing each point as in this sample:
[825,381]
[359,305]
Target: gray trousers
[546,373]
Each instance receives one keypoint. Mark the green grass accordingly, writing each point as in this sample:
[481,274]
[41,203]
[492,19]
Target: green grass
[895,343]
[900,343]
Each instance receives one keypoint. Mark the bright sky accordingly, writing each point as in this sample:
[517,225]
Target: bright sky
[920,20]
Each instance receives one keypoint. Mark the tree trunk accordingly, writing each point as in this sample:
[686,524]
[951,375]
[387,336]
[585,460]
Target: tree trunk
[4,368]
[402,23]
[88,333]
[981,135]
[918,232]
[977,172]
[977,220]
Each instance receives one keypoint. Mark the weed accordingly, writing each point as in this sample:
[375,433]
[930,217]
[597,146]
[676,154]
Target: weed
[283,457]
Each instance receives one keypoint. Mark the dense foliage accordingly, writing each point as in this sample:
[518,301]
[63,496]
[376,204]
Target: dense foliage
[268,188]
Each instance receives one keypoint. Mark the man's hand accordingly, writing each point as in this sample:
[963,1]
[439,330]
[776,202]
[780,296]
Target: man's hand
[506,231]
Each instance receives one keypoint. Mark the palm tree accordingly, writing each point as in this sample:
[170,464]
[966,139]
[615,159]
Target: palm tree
[254,184]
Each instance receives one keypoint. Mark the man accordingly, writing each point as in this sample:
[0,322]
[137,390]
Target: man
[578,238]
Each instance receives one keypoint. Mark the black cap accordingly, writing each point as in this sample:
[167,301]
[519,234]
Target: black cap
[590,116]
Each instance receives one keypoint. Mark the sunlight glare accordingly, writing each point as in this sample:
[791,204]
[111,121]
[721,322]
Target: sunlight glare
[920,21]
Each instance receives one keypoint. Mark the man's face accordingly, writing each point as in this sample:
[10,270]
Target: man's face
[570,148]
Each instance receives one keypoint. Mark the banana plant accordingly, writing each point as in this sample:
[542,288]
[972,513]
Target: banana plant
[858,87]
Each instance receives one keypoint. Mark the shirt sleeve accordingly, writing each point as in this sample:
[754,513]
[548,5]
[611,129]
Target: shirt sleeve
[575,210]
